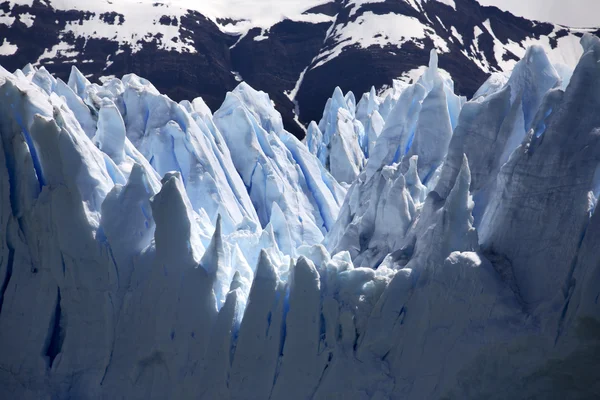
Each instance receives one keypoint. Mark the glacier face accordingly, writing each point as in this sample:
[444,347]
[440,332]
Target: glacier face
[417,246]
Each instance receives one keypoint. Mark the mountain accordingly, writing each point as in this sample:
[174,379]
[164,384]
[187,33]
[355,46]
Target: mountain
[417,246]
[297,51]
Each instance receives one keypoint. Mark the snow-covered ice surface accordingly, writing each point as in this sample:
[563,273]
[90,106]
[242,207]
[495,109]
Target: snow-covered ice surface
[418,246]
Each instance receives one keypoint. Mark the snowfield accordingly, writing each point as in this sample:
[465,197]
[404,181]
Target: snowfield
[415,246]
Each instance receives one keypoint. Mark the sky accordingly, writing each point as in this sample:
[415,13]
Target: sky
[575,13]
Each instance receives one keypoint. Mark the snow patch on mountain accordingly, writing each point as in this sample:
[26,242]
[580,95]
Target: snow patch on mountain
[567,50]
[7,48]
[371,29]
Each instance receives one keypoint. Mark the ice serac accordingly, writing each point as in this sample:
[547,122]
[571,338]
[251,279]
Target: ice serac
[126,221]
[351,103]
[368,104]
[499,118]
[370,226]
[582,311]
[480,126]
[213,379]
[169,136]
[415,187]
[367,113]
[259,340]
[373,128]
[344,143]
[532,77]
[432,133]
[398,132]
[421,123]
[213,261]
[390,97]
[445,265]
[172,301]
[179,218]
[44,80]
[260,106]
[549,178]
[327,192]
[406,155]
[78,82]
[281,231]
[301,364]
[275,170]
[314,138]
[495,82]
[150,249]
[171,140]
[87,121]
[345,159]
[110,136]
[55,267]
[432,77]
[446,225]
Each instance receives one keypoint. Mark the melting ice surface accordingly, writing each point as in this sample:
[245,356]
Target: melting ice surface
[416,246]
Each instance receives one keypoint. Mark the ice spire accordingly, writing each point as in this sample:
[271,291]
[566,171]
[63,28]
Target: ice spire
[460,235]
[314,138]
[300,371]
[78,83]
[531,78]
[281,230]
[259,339]
[176,231]
[110,135]
[213,256]
[417,190]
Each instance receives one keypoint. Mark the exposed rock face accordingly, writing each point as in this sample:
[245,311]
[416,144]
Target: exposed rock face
[299,63]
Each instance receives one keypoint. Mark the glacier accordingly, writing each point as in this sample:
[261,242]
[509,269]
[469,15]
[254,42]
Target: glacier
[416,245]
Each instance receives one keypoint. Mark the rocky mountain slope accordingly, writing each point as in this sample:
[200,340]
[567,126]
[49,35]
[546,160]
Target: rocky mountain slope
[188,49]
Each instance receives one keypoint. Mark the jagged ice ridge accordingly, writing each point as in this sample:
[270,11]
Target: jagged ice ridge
[416,246]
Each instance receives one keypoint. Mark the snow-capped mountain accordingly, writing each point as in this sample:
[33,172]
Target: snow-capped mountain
[416,246]
[296,51]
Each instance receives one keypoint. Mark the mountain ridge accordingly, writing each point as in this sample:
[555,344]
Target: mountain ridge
[298,60]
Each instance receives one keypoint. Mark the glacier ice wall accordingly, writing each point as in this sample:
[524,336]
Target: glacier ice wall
[417,246]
